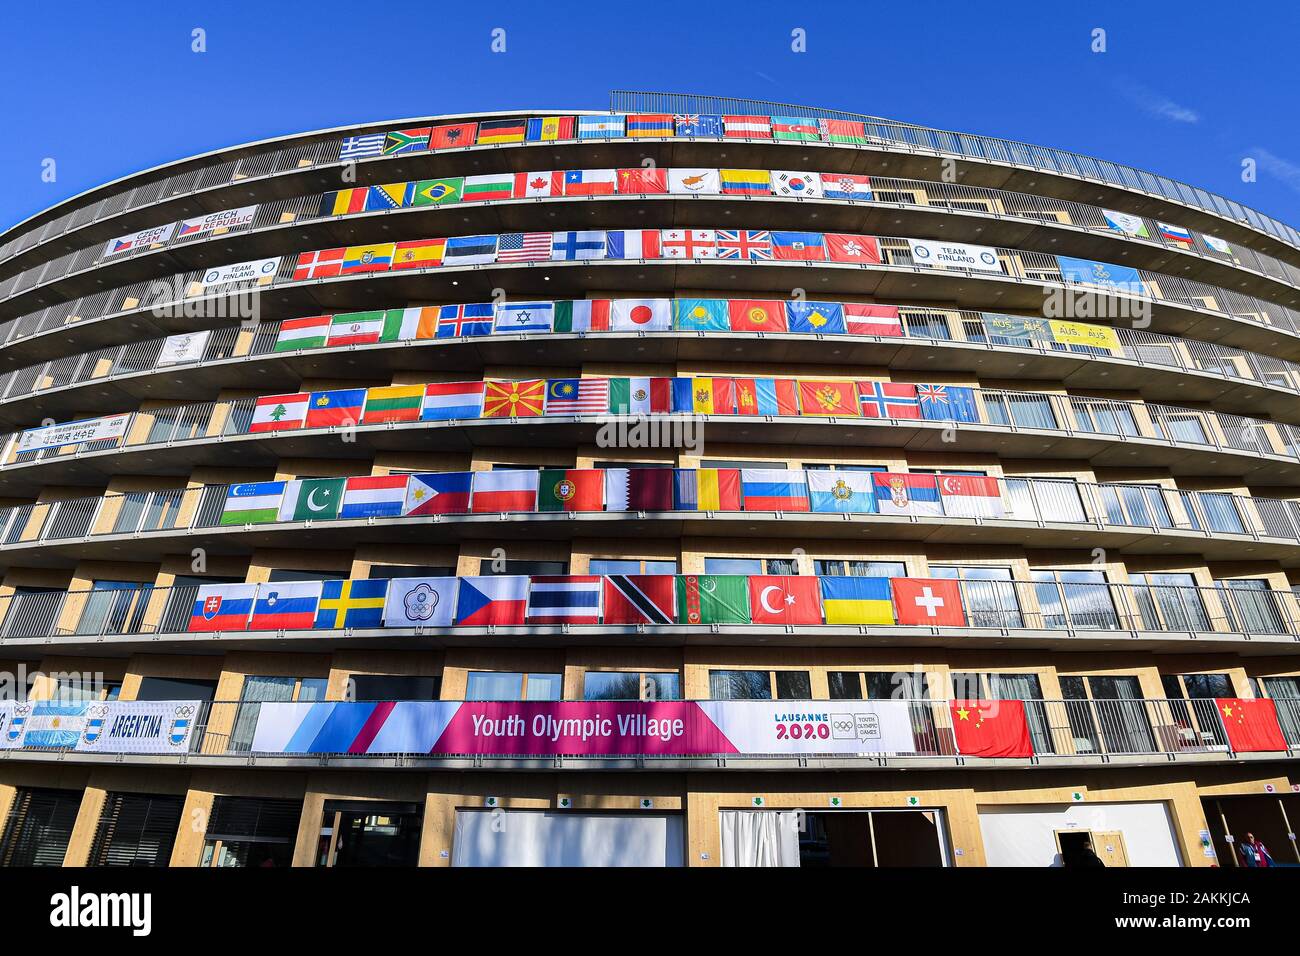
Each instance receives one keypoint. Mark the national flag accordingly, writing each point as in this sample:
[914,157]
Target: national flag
[706,489]
[255,502]
[934,602]
[795,127]
[455,321]
[589,182]
[712,599]
[824,317]
[342,202]
[600,127]
[524,317]
[853,600]
[689,243]
[803,185]
[389,196]
[766,396]
[828,398]
[784,599]
[340,406]
[408,325]
[469,250]
[902,494]
[638,489]
[798,246]
[501,131]
[744,244]
[846,492]
[451,136]
[273,413]
[991,728]
[492,600]
[373,496]
[888,400]
[524,399]
[523,246]
[569,246]
[549,129]
[755,315]
[438,493]
[419,253]
[648,180]
[649,124]
[683,394]
[842,131]
[582,315]
[632,244]
[639,599]
[571,489]
[312,499]
[970,496]
[747,127]
[222,607]
[540,185]
[438,192]
[745,182]
[306,333]
[845,186]
[376,257]
[356,328]
[713,396]
[406,141]
[285,605]
[1252,725]
[774,489]
[847,247]
[698,124]
[640,315]
[577,396]
[700,315]
[321,264]
[359,147]
[506,490]
[1175,234]
[345,604]
[947,403]
[420,602]
[393,403]
[640,396]
[564,599]
[489,186]
[862,319]
[449,401]
[694,182]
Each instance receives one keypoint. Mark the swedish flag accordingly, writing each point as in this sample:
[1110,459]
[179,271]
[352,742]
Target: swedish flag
[352,604]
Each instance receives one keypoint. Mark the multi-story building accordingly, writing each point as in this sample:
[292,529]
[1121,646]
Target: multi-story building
[541,487]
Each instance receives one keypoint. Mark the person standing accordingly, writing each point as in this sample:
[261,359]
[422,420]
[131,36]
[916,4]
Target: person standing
[1254,853]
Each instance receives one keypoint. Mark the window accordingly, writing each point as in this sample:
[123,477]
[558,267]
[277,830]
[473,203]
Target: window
[1103,417]
[1285,692]
[69,690]
[1074,599]
[988,594]
[612,566]
[824,466]
[877,685]
[1207,686]
[751,566]
[175,688]
[1252,606]
[32,612]
[1023,409]
[501,685]
[1179,426]
[492,566]
[1140,505]
[619,685]
[926,325]
[114,607]
[258,690]
[380,571]
[1122,714]
[390,687]
[38,827]
[1221,513]
[861,569]
[759,685]
[1169,602]
[136,829]
[288,574]
[729,463]
[252,832]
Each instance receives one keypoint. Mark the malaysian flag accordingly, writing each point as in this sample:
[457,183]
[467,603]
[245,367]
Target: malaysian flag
[523,246]
[577,396]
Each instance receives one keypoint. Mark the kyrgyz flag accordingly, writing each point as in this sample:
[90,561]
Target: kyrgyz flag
[712,599]
[1251,724]
[991,728]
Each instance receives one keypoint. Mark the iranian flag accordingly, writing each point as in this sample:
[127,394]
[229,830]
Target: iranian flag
[305,333]
[571,489]
[276,412]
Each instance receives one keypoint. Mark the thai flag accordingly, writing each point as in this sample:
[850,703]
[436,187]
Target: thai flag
[572,599]
[488,600]
[774,489]
[285,605]
[373,496]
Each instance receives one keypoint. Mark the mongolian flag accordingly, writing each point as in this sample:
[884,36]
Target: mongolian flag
[514,399]
[767,396]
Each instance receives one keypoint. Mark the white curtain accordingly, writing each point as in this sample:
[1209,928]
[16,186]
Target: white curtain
[759,838]
[565,838]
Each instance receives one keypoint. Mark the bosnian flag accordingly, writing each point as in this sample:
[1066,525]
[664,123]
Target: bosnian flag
[971,496]
[222,607]
[569,599]
[862,319]
[899,494]
[492,599]
[284,605]
[447,401]
[497,491]
[373,496]
[440,493]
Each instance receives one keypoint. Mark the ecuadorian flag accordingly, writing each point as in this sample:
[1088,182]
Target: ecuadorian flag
[857,601]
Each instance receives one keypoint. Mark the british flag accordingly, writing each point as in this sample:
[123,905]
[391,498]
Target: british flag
[744,244]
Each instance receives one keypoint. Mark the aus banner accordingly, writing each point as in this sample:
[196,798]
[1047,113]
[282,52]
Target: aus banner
[124,727]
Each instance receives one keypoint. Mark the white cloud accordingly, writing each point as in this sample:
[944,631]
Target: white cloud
[1285,170]
[1157,104]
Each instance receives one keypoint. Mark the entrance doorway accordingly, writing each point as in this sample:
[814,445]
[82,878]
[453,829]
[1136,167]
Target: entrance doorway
[834,838]
[362,833]
[1107,844]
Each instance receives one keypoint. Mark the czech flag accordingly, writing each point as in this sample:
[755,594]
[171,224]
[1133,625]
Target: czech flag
[492,599]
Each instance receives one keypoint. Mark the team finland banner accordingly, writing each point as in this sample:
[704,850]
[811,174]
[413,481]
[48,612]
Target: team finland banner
[954,255]
[256,270]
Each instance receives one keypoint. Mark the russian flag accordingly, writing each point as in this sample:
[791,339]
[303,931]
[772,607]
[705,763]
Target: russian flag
[774,489]
[492,599]
[373,496]
[445,401]
[569,599]
[285,605]
[498,491]
[222,607]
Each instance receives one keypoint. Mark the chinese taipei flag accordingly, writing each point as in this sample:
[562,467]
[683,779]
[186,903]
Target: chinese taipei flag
[991,728]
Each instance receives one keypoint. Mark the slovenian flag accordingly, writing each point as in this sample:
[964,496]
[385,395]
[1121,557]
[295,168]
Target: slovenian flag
[492,599]
[850,492]
[285,605]
[774,489]
[1176,234]
[852,600]
[373,496]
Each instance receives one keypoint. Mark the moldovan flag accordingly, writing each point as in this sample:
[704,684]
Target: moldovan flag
[640,396]
[756,315]
[1251,724]
[971,496]
[273,413]
[419,253]
[828,398]
[991,728]
[706,489]
[774,489]
[714,396]
[394,403]
[784,599]
[933,602]
[514,399]
[438,493]
[767,396]
[848,492]
[639,599]
[638,489]
[339,407]
[285,605]
[849,600]
[447,401]
[492,599]
[712,599]
[872,319]
[305,333]
[564,599]
[747,127]
[224,607]
[500,491]
[849,247]
[573,489]
[643,180]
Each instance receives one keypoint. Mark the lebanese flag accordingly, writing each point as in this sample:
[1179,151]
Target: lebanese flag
[785,599]
[756,315]
[847,247]
[643,180]
[970,496]
[640,599]
[929,602]
[497,491]
[872,319]
[1251,724]
[991,728]
[277,412]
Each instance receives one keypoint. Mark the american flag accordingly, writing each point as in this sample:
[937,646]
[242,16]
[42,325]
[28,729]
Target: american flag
[522,246]
[577,396]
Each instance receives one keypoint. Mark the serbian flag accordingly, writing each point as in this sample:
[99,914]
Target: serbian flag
[756,315]
[828,398]
[564,599]
[991,728]
[640,599]
[508,490]
[784,599]
[970,496]
[930,602]
[872,319]
[774,489]
[643,180]
[767,396]
[492,599]
[848,247]
[1251,724]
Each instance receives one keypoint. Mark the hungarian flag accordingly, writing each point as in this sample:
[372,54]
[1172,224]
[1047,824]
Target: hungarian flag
[308,332]
[712,599]
[785,599]
[643,180]
[1251,724]
[991,728]
[514,399]
[756,315]
[639,599]
[932,602]
[638,489]
[572,489]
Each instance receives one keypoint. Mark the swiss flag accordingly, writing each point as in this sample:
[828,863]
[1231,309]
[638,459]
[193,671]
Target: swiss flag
[643,180]
[1251,724]
[933,602]
[991,728]
[784,599]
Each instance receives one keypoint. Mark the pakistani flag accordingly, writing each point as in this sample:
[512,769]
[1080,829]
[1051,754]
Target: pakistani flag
[712,599]
[311,499]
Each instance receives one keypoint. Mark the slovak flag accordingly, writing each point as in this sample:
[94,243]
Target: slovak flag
[492,599]
[971,496]
[933,602]
[222,607]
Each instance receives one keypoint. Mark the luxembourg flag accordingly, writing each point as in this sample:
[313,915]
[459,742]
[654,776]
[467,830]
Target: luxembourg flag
[851,492]
[285,605]
[373,496]
[570,599]
[498,491]
[971,496]
[495,599]
[898,494]
[774,489]
[448,401]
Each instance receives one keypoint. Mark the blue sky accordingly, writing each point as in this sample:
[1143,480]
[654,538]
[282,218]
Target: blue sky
[1186,89]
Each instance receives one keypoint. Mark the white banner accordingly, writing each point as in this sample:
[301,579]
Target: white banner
[73,433]
[226,219]
[796,727]
[954,255]
[257,269]
[183,347]
[9,739]
[119,726]
[134,240]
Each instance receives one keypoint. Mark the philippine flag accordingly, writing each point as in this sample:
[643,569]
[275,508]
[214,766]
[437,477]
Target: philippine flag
[571,599]
[222,607]
[971,496]
[373,496]
[285,605]
[441,493]
[898,494]
[498,491]
[487,600]
[448,401]
[774,489]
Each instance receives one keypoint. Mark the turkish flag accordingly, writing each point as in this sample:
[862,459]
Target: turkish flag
[1251,724]
[991,728]
[784,599]
[934,602]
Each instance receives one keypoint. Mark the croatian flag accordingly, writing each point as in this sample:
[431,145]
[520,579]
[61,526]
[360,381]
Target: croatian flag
[571,599]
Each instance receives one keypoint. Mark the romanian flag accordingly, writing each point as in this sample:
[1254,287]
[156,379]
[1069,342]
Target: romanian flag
[746,182]
[706,489]
[514,399]
[393,403]
[419,253]
[856,600]
[372,258]
[502,131]
[649,124]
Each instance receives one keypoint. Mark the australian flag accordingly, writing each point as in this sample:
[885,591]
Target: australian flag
[947,403]
[698,124]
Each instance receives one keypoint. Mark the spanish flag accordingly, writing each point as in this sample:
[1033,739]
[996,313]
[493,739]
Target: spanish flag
[514,399]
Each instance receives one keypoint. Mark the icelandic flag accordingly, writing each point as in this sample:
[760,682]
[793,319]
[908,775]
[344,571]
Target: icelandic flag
[898,494]
[352,604]
[373,496]
[285,605]
[525,316]
[492,599]
[222,607]
[698,124]
[568,599]
[437,493]
[851,600]
[568,246]
[971,496]
[774,489]
[851,492]
[824,317]
[947,403]
[448,401]
[455,321]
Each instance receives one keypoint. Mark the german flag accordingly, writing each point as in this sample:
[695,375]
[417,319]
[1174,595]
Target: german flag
[514,399]
[502,131]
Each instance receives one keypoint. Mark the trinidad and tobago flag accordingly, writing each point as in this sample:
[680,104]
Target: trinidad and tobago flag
[639,599]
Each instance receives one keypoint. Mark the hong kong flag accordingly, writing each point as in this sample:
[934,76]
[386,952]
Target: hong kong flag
[1251,724]
[930,602]
[785,599]
[991,728]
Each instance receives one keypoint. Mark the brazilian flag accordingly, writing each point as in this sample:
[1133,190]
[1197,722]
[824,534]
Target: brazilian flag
[438,192]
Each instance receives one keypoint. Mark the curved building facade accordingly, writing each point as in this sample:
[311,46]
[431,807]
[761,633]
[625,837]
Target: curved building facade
[705,482]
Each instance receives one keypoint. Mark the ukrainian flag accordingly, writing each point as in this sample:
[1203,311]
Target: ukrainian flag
[857,601]
[352,604]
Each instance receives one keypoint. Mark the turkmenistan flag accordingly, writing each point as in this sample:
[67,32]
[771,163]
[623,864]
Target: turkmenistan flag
[436,192]
[311,499]
[712,599]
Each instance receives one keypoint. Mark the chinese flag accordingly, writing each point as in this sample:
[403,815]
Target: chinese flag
[991,728]
[643,180]
[1251,724]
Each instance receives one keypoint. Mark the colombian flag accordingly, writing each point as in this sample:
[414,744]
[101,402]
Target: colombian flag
[746,182]
[514,399]
[857,601]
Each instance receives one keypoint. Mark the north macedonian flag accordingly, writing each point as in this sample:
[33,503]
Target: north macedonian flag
[514,399]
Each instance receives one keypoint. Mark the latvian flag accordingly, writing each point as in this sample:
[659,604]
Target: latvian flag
[571,599]
[747,127]
[872,319]
[640,599]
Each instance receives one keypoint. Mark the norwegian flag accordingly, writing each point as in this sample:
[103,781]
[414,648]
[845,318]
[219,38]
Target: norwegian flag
[744,244]
[321,264]
[888,400]
[689,244]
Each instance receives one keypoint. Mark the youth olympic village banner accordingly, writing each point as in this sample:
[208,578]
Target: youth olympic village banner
[135,727]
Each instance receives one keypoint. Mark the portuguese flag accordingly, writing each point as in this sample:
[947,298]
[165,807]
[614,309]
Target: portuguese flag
[712,599]
[571,489]
[991,728]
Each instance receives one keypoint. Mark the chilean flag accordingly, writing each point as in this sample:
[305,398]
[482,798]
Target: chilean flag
[492,599]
